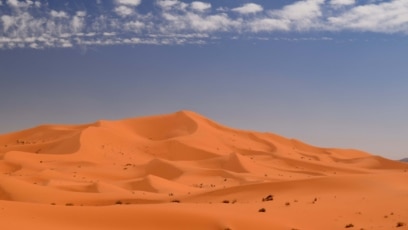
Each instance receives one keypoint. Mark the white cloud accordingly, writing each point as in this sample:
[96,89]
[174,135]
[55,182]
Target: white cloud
[90,34]
[302,10]
[304,15]
[134,26]
[65,44]
[34,46]
[172,5]
[129,2]
[77,22]
[13,3]
[200,6]
[338,3]
[196,21]
[109,34]
[8,21]
[386,17]
[249,8]
[80,13]
[58,14]
[167,3]
[124,11]
[222,9]
[219,22]
[19,4]
[269,24]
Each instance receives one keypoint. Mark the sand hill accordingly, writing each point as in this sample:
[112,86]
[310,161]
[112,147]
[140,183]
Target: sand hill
[184,171]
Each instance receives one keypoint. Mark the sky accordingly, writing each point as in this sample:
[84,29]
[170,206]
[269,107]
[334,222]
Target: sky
[331,73]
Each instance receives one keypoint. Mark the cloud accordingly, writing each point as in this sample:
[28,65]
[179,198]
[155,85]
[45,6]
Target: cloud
[58,14]
[7,21]
[134,26]
[268,25]
[303,15]
[200,6]
[124,11]
[77,22]
[129,2]
[35,25]
[249,8]
[219,22]
[385,17]
[195,22]
[80,13]
[338,3]
[125,8]
[13,3]
[301,10]
[167,5]
[16,4]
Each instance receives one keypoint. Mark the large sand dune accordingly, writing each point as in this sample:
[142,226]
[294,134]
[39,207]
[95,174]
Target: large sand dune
[184,171]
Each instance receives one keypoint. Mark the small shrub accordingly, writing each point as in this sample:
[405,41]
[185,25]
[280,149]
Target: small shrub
[225,201]
[262,210]
[400,224]
[118,202]
[268,198]
[287,203]
[175,201]
[349,226]
[69,204]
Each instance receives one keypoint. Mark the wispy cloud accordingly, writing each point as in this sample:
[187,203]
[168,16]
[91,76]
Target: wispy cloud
[40,24]
[249,8]
[384,17]
[200,6]
[129,2]
[339,3]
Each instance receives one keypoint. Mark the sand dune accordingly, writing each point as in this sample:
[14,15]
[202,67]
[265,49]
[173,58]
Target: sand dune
[184,171]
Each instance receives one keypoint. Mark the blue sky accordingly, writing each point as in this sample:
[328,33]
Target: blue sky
[328,72]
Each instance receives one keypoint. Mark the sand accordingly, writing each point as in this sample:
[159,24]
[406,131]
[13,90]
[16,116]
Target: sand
[184,171]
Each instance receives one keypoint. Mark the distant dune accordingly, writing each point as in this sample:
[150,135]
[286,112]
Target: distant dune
[404,160]
[184,171]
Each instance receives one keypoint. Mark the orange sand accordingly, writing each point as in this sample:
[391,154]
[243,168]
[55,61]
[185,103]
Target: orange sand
[183,171]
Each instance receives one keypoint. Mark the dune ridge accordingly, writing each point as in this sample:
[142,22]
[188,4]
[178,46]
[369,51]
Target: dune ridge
[186,159]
